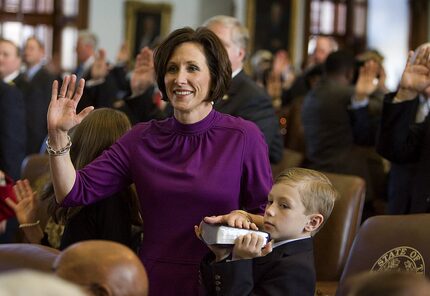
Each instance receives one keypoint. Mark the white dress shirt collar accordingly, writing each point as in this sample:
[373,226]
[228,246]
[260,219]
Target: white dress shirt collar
[9,78]
[236,72]
[288,241]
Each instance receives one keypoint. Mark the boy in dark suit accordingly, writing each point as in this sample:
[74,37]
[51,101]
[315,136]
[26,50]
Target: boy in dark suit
[299,203]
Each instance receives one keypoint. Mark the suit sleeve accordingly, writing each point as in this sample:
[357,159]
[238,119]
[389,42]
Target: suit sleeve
[400,137]
[99,95]
[363,126]
[142,108]
[260,111]
[226,278]
[288,278]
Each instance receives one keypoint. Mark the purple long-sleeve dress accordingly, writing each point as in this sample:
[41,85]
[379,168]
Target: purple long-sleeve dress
[182,173]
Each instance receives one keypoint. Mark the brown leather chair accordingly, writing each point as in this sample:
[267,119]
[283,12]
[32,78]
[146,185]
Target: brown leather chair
[333,242]
[290,159]
[26,256]
[34,166]
[389,243]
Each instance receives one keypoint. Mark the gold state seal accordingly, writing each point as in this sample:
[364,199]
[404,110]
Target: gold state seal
[401,259]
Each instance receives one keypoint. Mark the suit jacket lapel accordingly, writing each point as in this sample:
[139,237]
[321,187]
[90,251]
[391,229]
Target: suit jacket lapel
[231,92]
[235,84]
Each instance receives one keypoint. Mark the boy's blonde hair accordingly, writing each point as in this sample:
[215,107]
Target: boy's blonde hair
[316,191]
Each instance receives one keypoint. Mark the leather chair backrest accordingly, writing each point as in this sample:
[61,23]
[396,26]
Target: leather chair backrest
[333,242]
[290,159]
[34,166]
[398,243]
[26,256]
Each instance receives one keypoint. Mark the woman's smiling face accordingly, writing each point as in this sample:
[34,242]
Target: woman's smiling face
[188,81]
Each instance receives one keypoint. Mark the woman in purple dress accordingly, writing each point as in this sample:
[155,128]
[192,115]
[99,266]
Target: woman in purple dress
[197,163]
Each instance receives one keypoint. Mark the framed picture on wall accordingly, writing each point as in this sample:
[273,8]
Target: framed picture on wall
[146,24]
[271,24]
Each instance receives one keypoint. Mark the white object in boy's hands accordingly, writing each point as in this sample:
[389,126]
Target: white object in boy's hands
[225,235]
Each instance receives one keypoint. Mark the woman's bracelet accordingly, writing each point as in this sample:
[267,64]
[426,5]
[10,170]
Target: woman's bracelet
[61,151]
[29,224]
[244,213]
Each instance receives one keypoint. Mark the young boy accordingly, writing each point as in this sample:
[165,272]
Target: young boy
[299,203]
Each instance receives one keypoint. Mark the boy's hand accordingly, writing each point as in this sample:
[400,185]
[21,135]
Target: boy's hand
[221,251]
[250,246]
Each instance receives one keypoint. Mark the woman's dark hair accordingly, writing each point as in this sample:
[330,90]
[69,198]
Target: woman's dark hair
[214,51]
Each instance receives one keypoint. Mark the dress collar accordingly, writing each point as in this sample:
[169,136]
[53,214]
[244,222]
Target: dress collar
[197,127]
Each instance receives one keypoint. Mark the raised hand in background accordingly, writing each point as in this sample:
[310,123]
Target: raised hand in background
[143,75]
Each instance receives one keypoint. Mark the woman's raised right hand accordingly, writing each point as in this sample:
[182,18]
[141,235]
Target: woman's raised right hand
[62,108]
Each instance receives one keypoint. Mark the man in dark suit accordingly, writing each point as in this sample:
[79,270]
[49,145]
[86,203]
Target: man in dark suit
[12,120]
[404,137]
[100,87]
[38,93]
[337,121]
[12,123]
[244,97]
[144,102]
[12,130]
[12,145]
[323,46]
